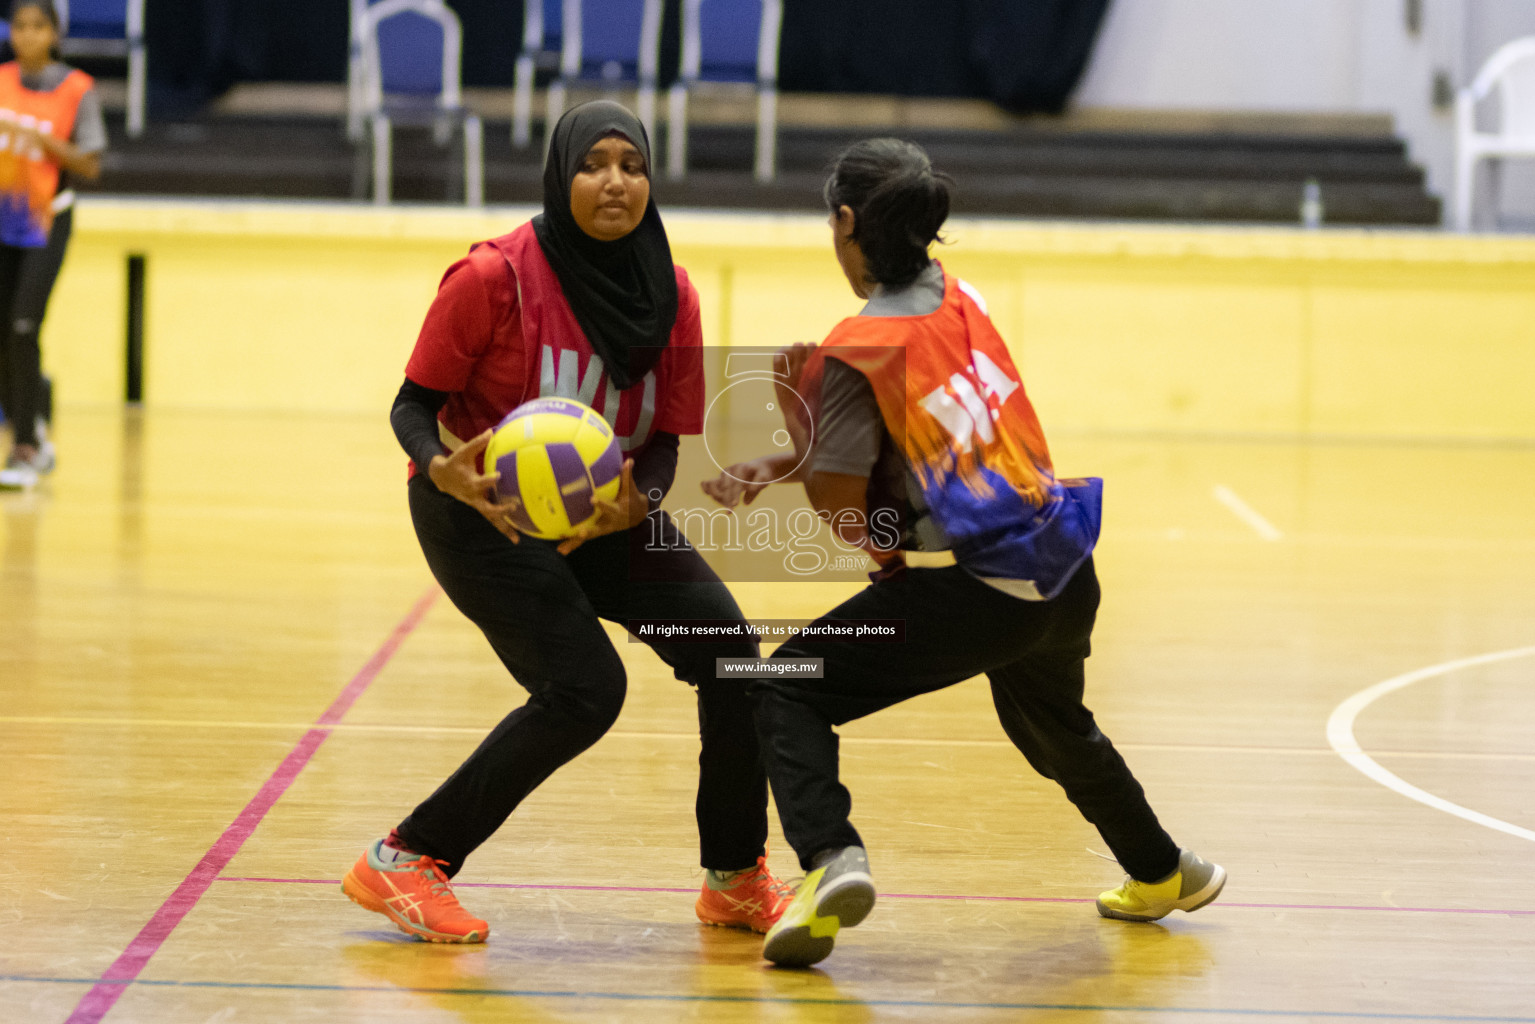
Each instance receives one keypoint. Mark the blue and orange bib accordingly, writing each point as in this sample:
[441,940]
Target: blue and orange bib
[28,178]
[954,404]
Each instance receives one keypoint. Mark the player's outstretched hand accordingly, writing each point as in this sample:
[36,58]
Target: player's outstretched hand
[458,475]
[743,481]
[624,512]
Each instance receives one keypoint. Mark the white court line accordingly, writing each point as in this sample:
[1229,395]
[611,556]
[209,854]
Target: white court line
[1245,512]
[627,734]
[1340,734]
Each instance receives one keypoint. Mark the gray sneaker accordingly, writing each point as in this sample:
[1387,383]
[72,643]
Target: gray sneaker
[18,474]
[838,892]
[46,458]
[22,471]
[1195,883]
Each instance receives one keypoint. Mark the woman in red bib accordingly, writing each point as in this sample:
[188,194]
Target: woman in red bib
[584,303]
[51,131]
[923,449]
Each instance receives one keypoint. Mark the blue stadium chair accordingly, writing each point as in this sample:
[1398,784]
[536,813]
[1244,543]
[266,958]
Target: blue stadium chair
[728,43]
[109,28]
[411,57]
[356,94]
[613,44]
[542,32]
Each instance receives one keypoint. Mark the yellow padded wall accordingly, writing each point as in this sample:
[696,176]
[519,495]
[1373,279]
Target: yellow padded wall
[1233,331]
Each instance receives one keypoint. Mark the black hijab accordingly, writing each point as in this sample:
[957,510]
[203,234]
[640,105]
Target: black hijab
[623,292]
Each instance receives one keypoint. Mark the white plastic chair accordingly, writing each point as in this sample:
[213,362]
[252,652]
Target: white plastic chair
[406,77]
[600,41]
[1511,71]
[109,28]
[728,41]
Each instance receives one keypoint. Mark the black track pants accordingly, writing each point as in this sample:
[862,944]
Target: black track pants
[27,277]
[956,627]
[539,610]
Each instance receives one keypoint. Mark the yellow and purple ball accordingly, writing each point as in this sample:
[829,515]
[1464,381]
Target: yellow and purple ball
[557,458]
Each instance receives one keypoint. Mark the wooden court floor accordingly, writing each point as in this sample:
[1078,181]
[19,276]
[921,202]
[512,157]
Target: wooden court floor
[224,670]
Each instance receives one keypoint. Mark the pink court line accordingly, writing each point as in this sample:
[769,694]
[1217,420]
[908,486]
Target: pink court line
[102,996]
[917,896]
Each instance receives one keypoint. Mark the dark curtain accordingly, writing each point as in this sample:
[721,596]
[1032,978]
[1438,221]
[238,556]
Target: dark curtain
[1025,54]
[199,48]
[1031,53]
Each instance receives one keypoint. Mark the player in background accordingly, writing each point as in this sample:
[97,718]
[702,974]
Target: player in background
[583,302]
[918,419]
[51,131]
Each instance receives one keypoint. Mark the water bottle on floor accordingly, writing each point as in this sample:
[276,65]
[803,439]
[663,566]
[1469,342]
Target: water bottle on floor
[1311,204]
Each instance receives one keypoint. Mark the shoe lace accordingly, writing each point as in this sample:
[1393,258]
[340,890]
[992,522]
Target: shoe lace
[784,889]
[436,881]
[774,887]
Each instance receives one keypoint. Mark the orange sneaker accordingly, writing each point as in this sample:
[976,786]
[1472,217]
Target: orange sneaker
[411,890]
[752,899]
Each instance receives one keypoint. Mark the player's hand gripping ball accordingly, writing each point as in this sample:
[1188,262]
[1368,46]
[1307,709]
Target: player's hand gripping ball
[557,459]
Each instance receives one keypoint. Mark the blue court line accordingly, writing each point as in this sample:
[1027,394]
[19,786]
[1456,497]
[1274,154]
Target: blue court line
[774,1000]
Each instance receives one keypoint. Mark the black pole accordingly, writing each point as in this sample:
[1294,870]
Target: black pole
[135,374]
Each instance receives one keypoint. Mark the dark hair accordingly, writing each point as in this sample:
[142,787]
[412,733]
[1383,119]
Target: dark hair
[46,6]
[898,201]
[49,11]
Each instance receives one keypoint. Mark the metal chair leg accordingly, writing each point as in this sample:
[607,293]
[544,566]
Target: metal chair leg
[1464,197]
[646,108]
[138,75]
[556,108]
[522,103]
[767,135]
[474,161]
[383,168]
[677,132]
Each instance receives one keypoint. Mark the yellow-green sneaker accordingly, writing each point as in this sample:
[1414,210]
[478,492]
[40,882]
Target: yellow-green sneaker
[838,892]
[1195,883]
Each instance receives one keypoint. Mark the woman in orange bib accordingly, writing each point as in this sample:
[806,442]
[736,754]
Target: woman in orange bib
[917,442]
[51,131]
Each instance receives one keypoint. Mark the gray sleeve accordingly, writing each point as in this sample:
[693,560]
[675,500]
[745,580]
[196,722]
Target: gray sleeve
[850,429]
[90,134]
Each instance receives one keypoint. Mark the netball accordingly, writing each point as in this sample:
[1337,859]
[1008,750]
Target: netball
[557,458]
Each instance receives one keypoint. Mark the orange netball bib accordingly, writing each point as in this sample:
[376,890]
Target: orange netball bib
[952,400]
[28,178]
